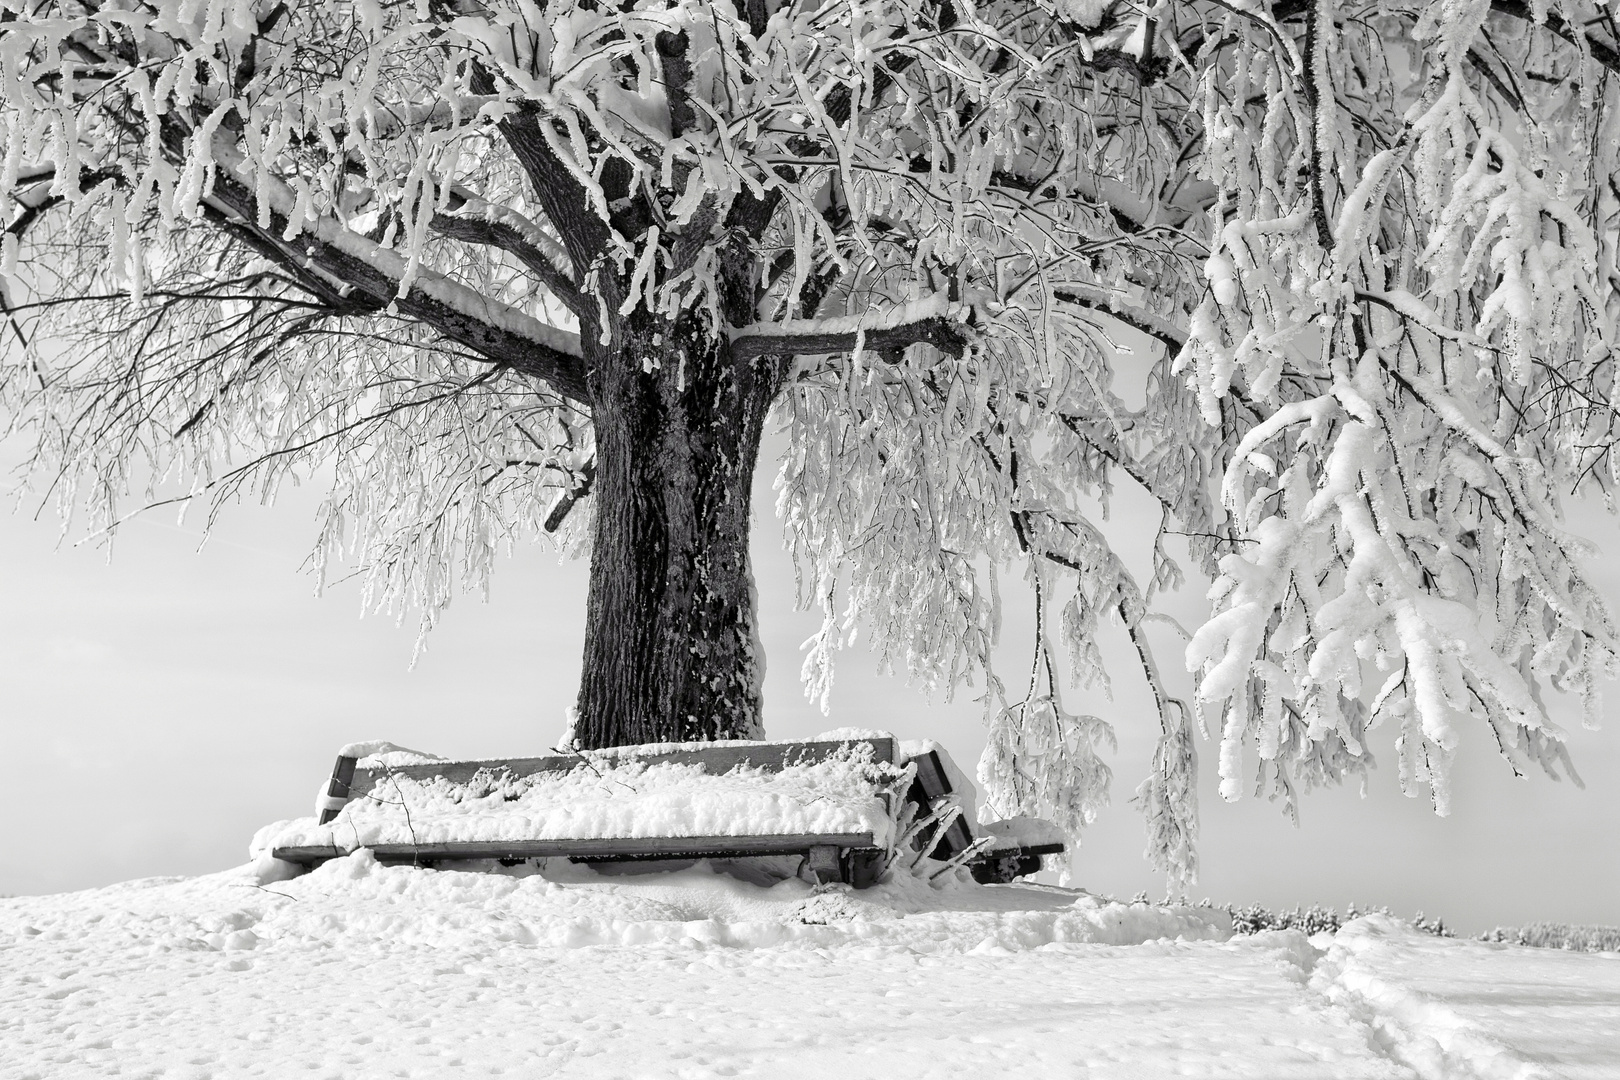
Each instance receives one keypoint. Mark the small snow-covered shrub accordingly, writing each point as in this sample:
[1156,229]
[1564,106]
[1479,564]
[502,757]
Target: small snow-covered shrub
[1549,935]
[1312,920]
[1437,927]
[1317,919]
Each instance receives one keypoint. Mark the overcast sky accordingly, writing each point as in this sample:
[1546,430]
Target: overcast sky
[156,710]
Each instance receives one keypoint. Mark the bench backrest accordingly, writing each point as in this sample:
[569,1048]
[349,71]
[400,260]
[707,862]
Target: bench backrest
[349,781]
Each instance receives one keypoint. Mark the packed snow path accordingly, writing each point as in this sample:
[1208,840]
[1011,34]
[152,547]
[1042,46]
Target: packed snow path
[359,971]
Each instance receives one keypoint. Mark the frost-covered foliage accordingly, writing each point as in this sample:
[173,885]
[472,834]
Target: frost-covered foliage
[1547,935]
[1332,284]
[1418,315]
[1316,919]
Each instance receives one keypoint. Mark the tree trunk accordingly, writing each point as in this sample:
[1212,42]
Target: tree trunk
[671,641]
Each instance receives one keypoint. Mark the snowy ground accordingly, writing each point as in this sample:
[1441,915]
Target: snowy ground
[358,970]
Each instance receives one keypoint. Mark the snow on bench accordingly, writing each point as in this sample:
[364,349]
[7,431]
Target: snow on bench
[846,805]
[834,802]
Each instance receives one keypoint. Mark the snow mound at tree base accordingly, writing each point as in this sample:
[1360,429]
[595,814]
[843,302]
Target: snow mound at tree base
[357,902]
[571,905]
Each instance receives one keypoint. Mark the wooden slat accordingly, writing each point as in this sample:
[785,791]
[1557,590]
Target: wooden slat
[931,779]
[931,783]
[957,838]
[642,847]
[715,759]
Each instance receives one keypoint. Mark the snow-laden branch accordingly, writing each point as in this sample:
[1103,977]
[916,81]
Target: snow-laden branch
[933,320]
[490,327]
[1131,209]
[1601,51]
[475,221]
[1173,337]
[568,199]
[449,111]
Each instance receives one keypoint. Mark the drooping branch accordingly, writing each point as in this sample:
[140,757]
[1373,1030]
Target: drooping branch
[1107,444]
[1601,51]
[334,262]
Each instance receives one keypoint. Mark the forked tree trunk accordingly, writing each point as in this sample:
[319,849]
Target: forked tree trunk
[671,645]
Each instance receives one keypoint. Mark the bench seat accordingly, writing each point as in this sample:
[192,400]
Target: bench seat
[831,801]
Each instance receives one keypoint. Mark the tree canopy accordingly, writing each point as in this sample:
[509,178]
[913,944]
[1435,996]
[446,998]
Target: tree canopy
[1334,284]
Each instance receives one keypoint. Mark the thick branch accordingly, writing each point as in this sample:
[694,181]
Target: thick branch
[672,49]
[472,226]
[560,194]
[581,487]
[1314,63]
[510,338]
[946,335]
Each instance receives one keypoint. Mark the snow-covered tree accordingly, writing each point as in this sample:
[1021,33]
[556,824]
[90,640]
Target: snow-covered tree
[1334,284]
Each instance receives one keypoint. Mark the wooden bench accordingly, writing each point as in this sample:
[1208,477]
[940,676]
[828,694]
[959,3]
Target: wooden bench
[853,857]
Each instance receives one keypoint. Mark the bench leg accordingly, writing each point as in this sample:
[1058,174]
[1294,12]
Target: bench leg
[863,867]
[825,863]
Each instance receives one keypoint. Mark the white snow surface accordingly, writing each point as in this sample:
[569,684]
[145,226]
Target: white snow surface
[358,970]
[605,798]
[1020,832]
[382,754]
[1474,1009]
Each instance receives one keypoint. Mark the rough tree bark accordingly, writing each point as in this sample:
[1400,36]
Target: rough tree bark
[671,645]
